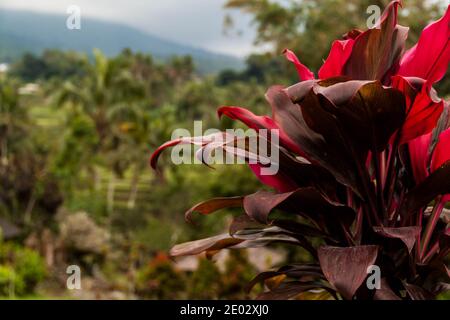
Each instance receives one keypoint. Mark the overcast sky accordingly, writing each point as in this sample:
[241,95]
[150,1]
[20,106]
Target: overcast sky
[195,22]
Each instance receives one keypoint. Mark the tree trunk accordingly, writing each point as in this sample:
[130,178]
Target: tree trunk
[110,194]
[97,179]
[133,188]
[4,152]
[29,209]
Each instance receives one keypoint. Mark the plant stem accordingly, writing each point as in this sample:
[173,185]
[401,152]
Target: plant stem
[431,252]
[391,171]
[432,222]
[383,168]
[358,226]
[379,183]
[349,198]
[419,224]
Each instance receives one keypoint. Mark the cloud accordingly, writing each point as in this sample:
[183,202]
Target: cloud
[195,22]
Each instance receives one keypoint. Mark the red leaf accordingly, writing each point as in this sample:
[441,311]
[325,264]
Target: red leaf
[279,181]
[303,72]
[429,58]
[420,157]
[339,54]
[199,141]
[423,107]
[441,153]
[259,122]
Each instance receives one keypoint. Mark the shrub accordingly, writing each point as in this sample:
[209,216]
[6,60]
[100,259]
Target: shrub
[159,279]
[364,170]
[205,282]
[24,267]
[10,283]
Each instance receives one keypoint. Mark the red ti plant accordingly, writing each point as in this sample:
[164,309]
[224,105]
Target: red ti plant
[364,170]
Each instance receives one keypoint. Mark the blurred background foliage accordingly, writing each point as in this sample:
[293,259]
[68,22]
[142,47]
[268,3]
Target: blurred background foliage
[76,133]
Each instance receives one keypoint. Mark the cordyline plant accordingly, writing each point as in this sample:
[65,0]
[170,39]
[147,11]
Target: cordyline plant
[364,167]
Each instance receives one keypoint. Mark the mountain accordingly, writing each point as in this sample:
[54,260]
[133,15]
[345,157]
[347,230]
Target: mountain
[23,31]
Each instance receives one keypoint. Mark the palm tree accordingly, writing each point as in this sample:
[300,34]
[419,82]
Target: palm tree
[108,89]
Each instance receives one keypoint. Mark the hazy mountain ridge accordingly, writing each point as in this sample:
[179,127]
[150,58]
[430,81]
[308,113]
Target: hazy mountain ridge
[23,31]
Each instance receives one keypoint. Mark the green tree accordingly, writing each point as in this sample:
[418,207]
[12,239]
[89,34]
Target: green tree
[309,26]
[27,181]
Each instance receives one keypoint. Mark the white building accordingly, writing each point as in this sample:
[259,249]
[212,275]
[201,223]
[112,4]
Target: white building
[4,67]
[29,88]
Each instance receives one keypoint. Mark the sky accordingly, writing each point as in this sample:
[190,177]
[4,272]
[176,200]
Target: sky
[197,23]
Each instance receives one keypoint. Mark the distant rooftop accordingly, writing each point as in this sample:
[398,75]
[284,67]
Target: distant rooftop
[4,67]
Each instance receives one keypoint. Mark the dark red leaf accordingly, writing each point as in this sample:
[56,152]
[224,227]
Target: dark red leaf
[289,290]
[300,228]
[302,270]
[385,292]
[306,201]
[212,205]
[244,222]
[325,148]
[337,124]
[244,234]
[259,205]
[369,112]
[259,122]
[438,183]
[406,234]
[280,181]
[417,293]
[444,245]
[346,268]
[208,244]
[304,174]
[245,227]
[263,276]
[376,52]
